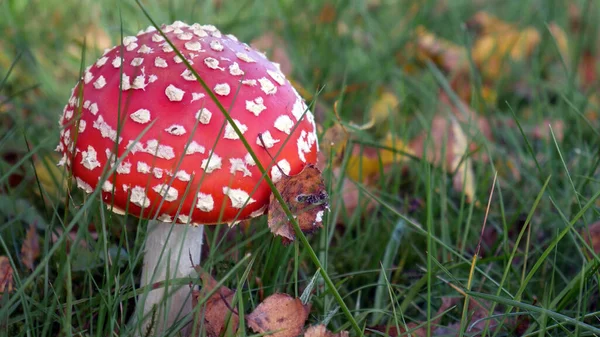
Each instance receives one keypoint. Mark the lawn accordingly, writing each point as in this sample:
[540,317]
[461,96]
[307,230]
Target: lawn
[459,147]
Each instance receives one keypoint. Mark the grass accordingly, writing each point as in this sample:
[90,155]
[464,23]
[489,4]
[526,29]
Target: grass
[397,258]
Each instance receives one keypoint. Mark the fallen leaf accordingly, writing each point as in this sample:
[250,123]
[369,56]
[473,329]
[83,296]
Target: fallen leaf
[30,250]
[499,41]
[448,137]
[321,331]
[6,276]
[52,178]
[306,196]
[592,235]
[279,315]
[217,315]
[368,162]
[380,111]
[328,14]
[445,54]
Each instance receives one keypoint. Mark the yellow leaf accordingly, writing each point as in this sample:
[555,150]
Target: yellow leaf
[51,177]
[367,162]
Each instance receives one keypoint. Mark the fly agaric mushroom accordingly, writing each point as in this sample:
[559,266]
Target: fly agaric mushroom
[178,160]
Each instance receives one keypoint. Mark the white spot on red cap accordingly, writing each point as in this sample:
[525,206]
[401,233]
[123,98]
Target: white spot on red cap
[160,62]
[139,82]
[185,36]
[216,45]
[94,108]
[303,146]
[200,32]
[82,125]
[205,202]
[166,47]
[100,82]
[282,165]
[238,197]
[211,163]
[222,89]
[234,69]
[194,147]
[230,132]
[157,38]
[278,77]
[183,218]
[284,124]
[125,82]
[183,175]
[196,96]
[137,61]
[231,36]
[245,57]
[212,63]
[267,86]
[259,212]
[204,115]
[249,160]
[159,150]
[116,62]
[193,45]
[298,108]
[105,130]
[256,106]
[138,197]
[165,218]
[144,49]
[168,193]
[177,59]
[250,83]
[319,216]
[107,186]
[87,188]
[88,77]
[124,168]
[174,94]
[157,172]
[101,61]
[142,167]
[176,130]
[188,75]
[237,164]
[141,116]
[268,140]
[89,158]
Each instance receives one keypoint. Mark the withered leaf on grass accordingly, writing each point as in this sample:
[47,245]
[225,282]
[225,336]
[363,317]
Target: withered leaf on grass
[279,315]
[321,331]
[306,196]
[593,238]
[217,313]
[30,250]
[6,276]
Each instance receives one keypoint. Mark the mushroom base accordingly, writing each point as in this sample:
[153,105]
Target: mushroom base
[171,252]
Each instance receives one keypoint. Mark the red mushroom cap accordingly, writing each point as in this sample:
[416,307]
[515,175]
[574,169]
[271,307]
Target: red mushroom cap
[189,157]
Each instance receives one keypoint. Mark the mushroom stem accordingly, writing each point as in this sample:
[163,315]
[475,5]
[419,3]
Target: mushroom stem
[168,251]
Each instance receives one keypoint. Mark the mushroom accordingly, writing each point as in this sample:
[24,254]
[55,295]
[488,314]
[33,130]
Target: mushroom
[140,127]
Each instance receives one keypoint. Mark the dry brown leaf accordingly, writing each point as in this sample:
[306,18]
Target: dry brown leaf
[593,238]
[30,250]
[6,276]
[279,315]
[217,315]
[275,48]
[328,14]
[447,135]
[381,109]
[306,196]
[445,54]
[321,331]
